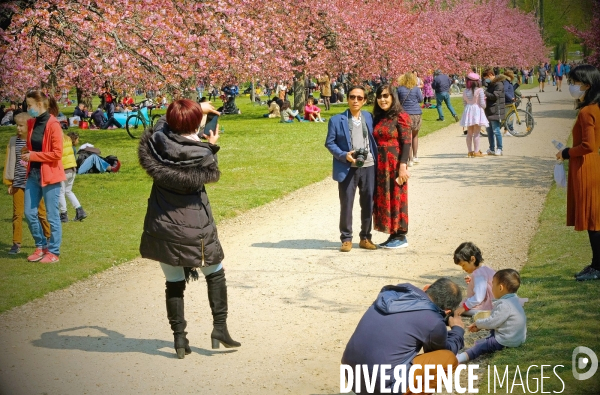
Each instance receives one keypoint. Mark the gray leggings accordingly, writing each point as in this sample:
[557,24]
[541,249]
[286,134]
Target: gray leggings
[175,273]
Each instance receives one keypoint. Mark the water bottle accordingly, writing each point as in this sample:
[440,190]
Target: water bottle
[559,146]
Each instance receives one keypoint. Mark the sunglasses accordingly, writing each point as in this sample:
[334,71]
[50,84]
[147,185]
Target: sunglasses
[384,96]
[357,98]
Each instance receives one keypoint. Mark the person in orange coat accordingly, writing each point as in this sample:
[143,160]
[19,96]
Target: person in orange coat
[45,173]
[583,187]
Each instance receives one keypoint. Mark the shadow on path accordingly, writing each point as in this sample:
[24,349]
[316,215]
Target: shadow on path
[514,172]
[301,244]
[113,342]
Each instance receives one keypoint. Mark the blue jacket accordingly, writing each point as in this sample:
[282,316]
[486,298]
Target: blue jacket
[392,331]
[441,83]
[339,143]
[410,99]
[509,92]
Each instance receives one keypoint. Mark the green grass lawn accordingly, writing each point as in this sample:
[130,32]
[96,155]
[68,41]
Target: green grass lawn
[561,313]
[261,160]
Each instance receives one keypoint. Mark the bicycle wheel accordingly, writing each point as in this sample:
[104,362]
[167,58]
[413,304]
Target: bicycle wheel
[519,123]
[154,119]
[135,125]
[483,132]
[529,108]
[454,89]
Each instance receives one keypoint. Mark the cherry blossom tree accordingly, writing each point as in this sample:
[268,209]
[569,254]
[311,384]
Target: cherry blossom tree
[173,44]
[590,37]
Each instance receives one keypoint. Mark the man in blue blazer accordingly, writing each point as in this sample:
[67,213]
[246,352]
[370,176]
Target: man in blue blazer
[347,133]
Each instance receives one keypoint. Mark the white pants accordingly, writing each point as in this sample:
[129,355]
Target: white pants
[66,189]
[175,273]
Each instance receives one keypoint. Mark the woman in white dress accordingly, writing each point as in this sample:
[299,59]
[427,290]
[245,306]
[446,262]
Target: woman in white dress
[473,117]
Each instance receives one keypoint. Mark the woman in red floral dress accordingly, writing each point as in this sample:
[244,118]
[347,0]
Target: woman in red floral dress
[393,136]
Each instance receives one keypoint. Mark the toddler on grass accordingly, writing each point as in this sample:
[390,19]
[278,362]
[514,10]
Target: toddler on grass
[15,176]
[479,281]
[507,321]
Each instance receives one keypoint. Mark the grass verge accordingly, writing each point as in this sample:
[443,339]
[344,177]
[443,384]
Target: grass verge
[561,313]
[261,160]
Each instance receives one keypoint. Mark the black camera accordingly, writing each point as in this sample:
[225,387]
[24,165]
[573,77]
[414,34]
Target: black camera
[361,156]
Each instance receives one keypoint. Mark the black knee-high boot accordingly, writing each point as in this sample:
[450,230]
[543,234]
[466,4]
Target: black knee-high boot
[175,313]
[217,297]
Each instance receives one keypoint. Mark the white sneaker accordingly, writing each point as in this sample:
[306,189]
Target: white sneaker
[416,160]
[490,152]
[410,163]
[498,152]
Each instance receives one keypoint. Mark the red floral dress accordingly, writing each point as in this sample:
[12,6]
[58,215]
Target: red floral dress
[390,211]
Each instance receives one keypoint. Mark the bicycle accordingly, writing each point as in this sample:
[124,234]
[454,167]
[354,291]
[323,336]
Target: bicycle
[518,122]
[140,117]
[455,88]
[529,106]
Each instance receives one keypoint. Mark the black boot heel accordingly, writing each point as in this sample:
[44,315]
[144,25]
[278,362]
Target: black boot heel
[181,353]
[221,335]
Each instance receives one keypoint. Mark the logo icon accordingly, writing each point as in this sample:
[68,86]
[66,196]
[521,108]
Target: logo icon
[583,362]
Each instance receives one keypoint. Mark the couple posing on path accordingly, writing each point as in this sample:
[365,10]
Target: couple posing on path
[371,153]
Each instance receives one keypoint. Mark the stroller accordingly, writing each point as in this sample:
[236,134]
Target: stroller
[229,106]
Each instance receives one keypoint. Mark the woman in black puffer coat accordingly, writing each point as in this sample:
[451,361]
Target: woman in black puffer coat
[179,229]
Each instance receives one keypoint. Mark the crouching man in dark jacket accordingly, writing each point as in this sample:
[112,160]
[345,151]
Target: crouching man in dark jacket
[402,320]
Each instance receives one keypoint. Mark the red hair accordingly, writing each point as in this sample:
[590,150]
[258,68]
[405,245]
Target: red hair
[184,116]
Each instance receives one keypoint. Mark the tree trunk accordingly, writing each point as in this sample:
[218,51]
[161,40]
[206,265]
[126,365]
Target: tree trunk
[85,98]
[252,89]
[299,87]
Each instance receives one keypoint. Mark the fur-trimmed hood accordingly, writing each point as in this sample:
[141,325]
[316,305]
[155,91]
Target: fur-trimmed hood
[499,78]
[175,162]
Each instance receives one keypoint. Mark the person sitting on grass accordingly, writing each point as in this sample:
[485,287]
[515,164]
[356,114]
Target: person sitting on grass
[274,110]
[288,115]
[312,112]
[507,322]
[334,98]
[7,119]
[479,281]
[102,123]
[81,112]
[127,101]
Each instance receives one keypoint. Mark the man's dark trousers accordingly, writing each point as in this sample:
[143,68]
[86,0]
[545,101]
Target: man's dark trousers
[364,179]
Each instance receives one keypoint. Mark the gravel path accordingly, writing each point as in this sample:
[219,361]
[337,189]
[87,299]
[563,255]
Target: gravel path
[294,299]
